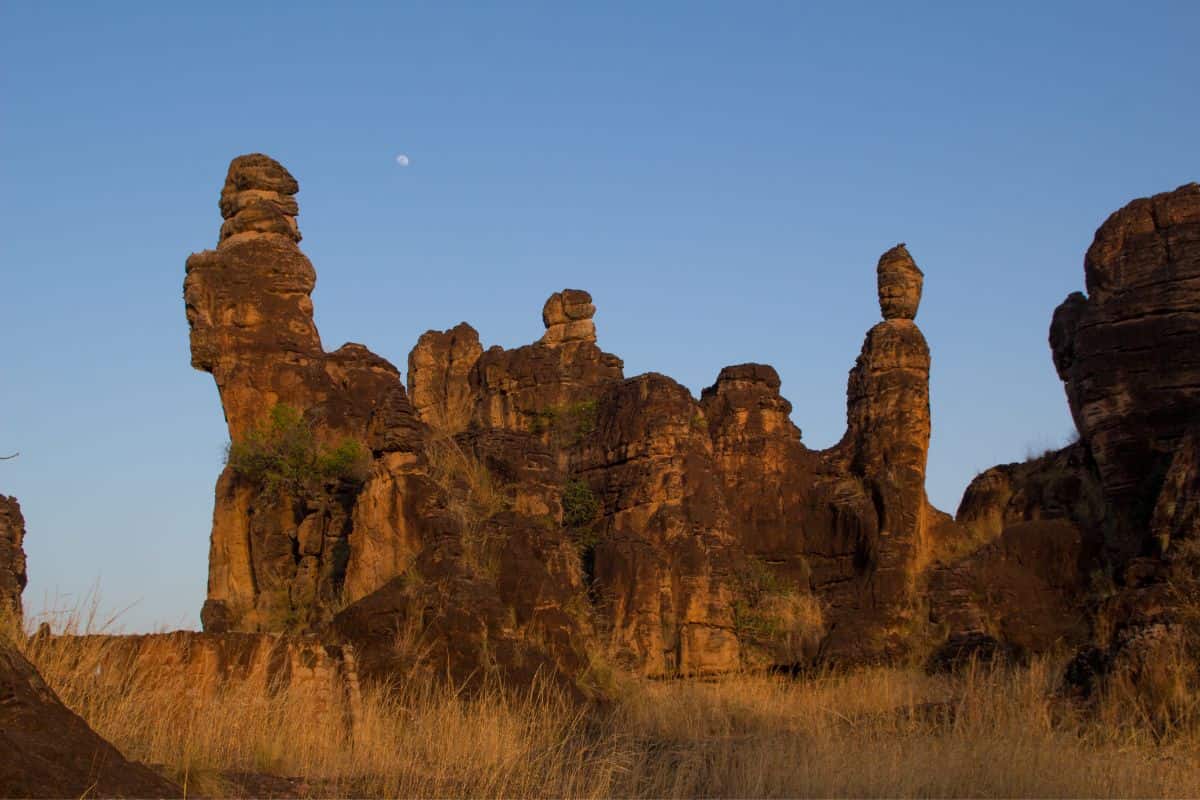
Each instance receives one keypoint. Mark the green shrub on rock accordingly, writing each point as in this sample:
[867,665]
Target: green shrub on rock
[283,454]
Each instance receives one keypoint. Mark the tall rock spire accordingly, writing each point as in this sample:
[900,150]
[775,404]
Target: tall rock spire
[889,426]
[250,315]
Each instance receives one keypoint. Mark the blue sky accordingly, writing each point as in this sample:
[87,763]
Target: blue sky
[721,176]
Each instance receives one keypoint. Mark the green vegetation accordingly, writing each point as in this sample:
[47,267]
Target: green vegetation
[581,507]
[567,424]
[283,455]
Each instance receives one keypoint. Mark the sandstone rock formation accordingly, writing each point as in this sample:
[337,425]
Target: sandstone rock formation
[848,524]
[250,316]
[1121,505]
[568,318]
[900,284]
[12,557]
[531,509]
[439,369]
[48,751]
[1129,353]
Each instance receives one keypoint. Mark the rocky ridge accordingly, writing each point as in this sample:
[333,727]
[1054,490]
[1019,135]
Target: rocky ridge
[622,502]
[534,509]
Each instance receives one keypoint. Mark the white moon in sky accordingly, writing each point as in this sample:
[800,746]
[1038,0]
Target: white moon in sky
[402,160]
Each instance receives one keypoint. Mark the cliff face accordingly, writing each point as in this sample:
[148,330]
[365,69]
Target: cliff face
[1121,503]
[534,509]
[250,316]
[1129,353]
[537,505]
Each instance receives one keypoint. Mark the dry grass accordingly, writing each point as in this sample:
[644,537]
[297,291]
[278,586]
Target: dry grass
[873,732]
[473,496]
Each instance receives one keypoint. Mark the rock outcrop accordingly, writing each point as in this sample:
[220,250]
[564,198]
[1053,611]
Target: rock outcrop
[48,751]
[900,282]
[308,673]
[250,316]
[12,557]
[1117,514]
[439,370]
[534,509]
[568,318]
[1129,353]
[848,524]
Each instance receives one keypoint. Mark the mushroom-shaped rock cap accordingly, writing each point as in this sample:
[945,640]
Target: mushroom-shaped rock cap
[257,198]
[567,316]
[900,283]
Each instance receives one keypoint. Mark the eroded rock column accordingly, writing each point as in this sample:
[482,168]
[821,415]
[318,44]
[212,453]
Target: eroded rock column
[887,441]
[278,559]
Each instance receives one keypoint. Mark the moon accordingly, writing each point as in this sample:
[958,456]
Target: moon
[402,160]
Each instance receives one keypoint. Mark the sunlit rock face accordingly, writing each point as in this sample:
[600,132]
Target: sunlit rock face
[250,315]
[900,283]
[531,508]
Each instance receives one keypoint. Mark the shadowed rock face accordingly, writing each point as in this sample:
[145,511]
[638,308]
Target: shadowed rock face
[1129,353]
[48,751]
[1124,500]
[631,512]
[12,556]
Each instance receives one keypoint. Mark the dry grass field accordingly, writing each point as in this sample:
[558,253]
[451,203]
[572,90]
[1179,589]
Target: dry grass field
[873,732]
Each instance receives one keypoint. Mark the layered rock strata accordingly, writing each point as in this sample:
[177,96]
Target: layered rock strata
[1129,352]
[1117,512]
[250,317]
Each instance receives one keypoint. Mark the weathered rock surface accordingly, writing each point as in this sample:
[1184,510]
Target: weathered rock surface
[568,318]
[900,284]
[439,370]
[250,316]
[318,677]
[1122,506]
[1027,588]
[527,509]
[48,751]
[662,563]
[12,556]
[1056,485]
[1129,353]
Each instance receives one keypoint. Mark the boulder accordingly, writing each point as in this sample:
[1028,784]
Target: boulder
[46,750]
[900,284]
